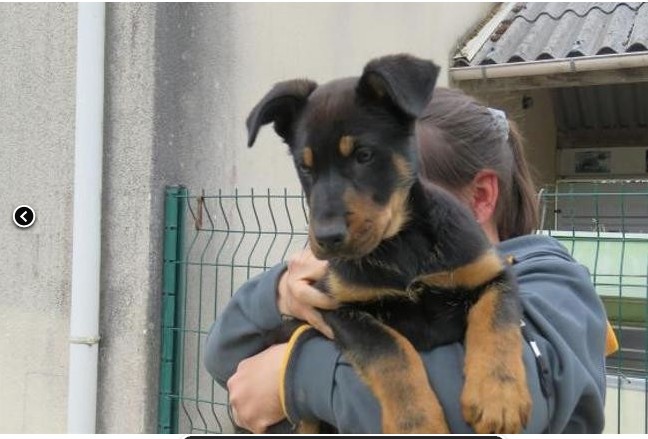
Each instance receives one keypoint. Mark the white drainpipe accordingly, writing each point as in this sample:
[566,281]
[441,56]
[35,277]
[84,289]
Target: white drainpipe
[548,67]
[86,241]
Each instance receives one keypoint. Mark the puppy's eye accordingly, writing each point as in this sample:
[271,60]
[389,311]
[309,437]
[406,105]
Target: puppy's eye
[363,155]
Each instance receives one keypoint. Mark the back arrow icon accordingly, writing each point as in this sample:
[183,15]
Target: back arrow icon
[23,216]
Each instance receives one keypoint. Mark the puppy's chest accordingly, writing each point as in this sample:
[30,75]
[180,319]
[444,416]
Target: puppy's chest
[390,272]
[383,281]
[426,315]
[369,280]
[410,288]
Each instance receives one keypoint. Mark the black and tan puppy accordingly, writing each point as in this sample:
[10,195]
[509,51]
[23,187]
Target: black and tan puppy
[410,265]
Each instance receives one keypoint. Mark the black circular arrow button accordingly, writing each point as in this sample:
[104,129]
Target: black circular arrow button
[24,216]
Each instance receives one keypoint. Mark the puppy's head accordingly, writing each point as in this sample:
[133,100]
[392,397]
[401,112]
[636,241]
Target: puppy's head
[352,141]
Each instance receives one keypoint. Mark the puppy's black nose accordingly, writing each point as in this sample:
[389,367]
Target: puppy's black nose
[331,236]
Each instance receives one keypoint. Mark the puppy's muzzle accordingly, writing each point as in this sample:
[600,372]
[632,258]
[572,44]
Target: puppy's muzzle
[330,236]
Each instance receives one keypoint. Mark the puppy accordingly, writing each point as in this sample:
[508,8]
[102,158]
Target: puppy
[408,262]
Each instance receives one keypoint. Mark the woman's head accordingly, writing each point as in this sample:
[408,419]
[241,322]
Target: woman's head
[475,152]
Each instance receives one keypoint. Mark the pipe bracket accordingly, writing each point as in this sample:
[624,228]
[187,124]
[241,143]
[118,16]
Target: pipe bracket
[85,340]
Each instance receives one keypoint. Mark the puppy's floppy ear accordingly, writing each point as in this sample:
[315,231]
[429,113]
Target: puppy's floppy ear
[281,105]
[402,80]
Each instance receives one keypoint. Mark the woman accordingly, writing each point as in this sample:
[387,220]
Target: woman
[474,152]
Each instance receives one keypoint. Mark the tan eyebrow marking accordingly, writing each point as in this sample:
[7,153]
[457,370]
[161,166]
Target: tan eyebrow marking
[346,145]
[307,156]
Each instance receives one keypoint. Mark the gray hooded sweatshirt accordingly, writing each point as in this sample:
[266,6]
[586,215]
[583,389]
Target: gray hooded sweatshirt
[565,323]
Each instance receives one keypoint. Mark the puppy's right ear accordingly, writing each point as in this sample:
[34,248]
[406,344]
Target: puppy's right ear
[281,105]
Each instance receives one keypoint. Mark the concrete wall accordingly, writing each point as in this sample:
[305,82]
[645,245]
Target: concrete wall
[180,80]
[37,83]
[215,62]
[326,41]
[130,267]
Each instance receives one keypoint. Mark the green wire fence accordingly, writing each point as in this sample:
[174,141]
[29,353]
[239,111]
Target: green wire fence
[604,224]
[213,243]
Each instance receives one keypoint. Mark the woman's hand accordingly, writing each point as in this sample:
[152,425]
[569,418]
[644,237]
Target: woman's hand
[296,295]
[254,390]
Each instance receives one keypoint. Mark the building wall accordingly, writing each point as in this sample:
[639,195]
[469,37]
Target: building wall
[180,80]
[130,275]
[326,41]
[37,83]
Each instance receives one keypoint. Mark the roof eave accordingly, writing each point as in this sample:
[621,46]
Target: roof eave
[549,67]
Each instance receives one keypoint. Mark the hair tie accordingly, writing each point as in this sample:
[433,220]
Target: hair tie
[501,120]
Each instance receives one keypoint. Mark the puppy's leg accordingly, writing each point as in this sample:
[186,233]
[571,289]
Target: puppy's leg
[390,366]
[495,398]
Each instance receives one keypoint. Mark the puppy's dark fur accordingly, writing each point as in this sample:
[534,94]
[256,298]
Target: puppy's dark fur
[408,262]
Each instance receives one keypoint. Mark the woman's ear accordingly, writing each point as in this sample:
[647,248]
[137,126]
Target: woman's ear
[483,195]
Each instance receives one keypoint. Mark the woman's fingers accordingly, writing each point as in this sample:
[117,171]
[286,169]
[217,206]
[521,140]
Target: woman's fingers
[304,265]
[315,268]
[302,301]
[235,417]
[298,297]
[306,294]
[317,321]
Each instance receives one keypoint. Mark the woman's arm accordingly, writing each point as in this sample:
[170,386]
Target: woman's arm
[241,331]
[251,320]
[564,317]
[322,384]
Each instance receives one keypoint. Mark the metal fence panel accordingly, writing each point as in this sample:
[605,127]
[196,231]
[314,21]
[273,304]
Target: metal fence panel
[604,224]
[228,238]
[214,243]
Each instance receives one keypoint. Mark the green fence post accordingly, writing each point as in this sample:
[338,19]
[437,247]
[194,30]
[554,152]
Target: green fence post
[171,296]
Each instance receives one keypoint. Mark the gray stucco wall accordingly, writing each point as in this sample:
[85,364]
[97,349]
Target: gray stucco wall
[37,82]
[180,80]
[128,351]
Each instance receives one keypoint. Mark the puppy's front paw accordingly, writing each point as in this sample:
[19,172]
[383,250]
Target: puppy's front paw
[496,405]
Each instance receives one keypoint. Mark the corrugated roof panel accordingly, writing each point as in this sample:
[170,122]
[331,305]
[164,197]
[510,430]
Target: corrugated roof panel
[587,39]
[559,113]
[566,36]
[615,35]
[638,40]
[602,107]
[493,52]
[530,11]
[606,107]
[533,41]
[625,103]
[587,103]
[558,10]
[580,8]
[640,91]
[571,108]
[553,30]
[559,41]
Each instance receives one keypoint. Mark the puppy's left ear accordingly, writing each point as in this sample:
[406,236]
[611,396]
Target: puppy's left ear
[402,80]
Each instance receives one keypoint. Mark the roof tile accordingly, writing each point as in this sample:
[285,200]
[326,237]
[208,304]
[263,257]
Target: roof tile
[551,30]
